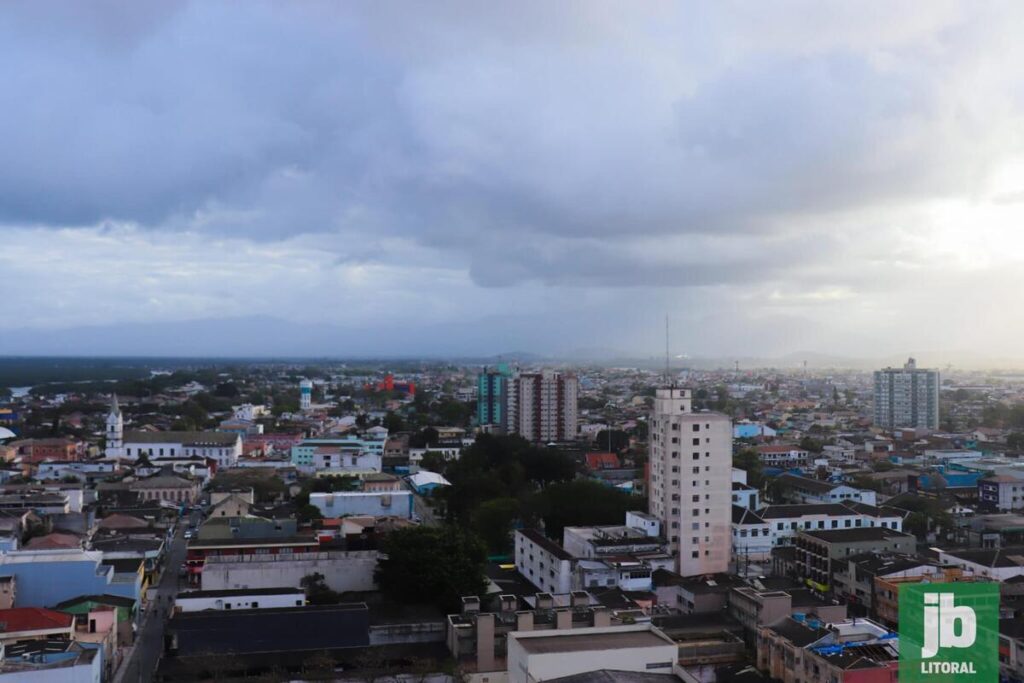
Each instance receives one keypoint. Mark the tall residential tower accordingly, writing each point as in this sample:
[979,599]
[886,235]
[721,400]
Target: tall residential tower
[907,397]
[542,406]
[691,481]
[492,386]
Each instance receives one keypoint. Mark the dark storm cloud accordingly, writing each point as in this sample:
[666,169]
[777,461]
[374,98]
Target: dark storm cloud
[783,153]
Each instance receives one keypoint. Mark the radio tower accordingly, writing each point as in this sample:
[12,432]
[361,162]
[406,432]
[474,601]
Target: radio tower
[668,372]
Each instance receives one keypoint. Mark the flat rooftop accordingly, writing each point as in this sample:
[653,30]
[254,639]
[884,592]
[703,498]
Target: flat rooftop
[584,642]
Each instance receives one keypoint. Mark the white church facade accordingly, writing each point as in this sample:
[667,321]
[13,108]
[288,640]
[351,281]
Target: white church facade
[225,448]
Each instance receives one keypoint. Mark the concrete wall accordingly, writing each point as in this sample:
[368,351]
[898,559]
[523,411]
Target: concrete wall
[342,571]
[391,634]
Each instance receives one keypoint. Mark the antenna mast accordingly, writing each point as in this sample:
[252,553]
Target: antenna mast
[668,372]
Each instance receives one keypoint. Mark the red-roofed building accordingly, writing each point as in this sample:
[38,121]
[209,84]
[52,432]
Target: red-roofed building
[783,455]
[54,541]
[19,624]
[603,461]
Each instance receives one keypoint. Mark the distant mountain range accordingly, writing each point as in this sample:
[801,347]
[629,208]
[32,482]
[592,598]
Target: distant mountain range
[269,337]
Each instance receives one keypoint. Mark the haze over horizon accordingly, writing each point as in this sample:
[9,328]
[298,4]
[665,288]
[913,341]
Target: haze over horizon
[465,179]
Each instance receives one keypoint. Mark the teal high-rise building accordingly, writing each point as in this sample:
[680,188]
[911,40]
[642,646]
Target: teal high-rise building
[492,398]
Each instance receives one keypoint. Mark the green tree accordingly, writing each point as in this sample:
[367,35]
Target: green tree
[619,440]
[433,461]
[811,444]
[393,423]
[442,564]
[750,462]
[582,502]
[1015,441]
[493,522]
[317,591]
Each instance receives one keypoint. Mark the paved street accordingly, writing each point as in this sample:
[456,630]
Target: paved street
[149,643]
[424,511]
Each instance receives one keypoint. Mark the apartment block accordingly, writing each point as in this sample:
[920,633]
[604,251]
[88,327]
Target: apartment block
[691,481]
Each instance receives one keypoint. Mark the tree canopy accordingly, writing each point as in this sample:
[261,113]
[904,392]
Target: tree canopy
[442,563]
[582,502]
[749,461]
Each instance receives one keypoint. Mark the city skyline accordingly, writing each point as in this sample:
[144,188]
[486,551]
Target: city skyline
[499,178]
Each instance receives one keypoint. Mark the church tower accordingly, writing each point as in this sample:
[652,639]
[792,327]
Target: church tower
[115,429]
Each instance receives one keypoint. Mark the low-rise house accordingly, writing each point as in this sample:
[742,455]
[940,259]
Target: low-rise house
[1011,649]
[124,612]
[751,541]
[53,541]
[869,583]
[377,503]
[1003,491]
[48,577]
[53,659]
[694,594]
[795,489]
[20,624]
[783,456]
[746,496]
[997,564]
[38,450]
[786,521]
[201,551]
[167,487]
[756,607]
[381,481]
[543,562]
[602,461]
[819,554]
[795,650]
[425,483]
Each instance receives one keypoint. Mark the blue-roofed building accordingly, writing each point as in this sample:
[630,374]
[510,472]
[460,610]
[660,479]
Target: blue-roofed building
[47,577]
[752,430]
[52,659]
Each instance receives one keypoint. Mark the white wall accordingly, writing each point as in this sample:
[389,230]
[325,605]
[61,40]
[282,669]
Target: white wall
[242,601]
[343,571]
[537,565]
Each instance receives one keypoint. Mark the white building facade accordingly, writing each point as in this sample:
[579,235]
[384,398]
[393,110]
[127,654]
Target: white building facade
[690,489]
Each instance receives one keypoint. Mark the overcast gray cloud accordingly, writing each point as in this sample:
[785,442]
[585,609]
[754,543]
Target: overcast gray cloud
[774,176]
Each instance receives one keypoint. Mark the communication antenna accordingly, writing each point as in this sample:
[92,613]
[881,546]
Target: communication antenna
[668,373]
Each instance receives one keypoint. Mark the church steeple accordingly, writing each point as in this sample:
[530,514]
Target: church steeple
[115,429]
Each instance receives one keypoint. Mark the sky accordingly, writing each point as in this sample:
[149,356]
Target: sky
[402,178]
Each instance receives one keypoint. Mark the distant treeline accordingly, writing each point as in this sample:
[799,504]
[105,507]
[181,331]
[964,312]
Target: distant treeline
[18,371]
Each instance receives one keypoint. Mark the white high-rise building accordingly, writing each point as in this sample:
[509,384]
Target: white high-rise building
[542,406]
[690,488]
[907,397]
